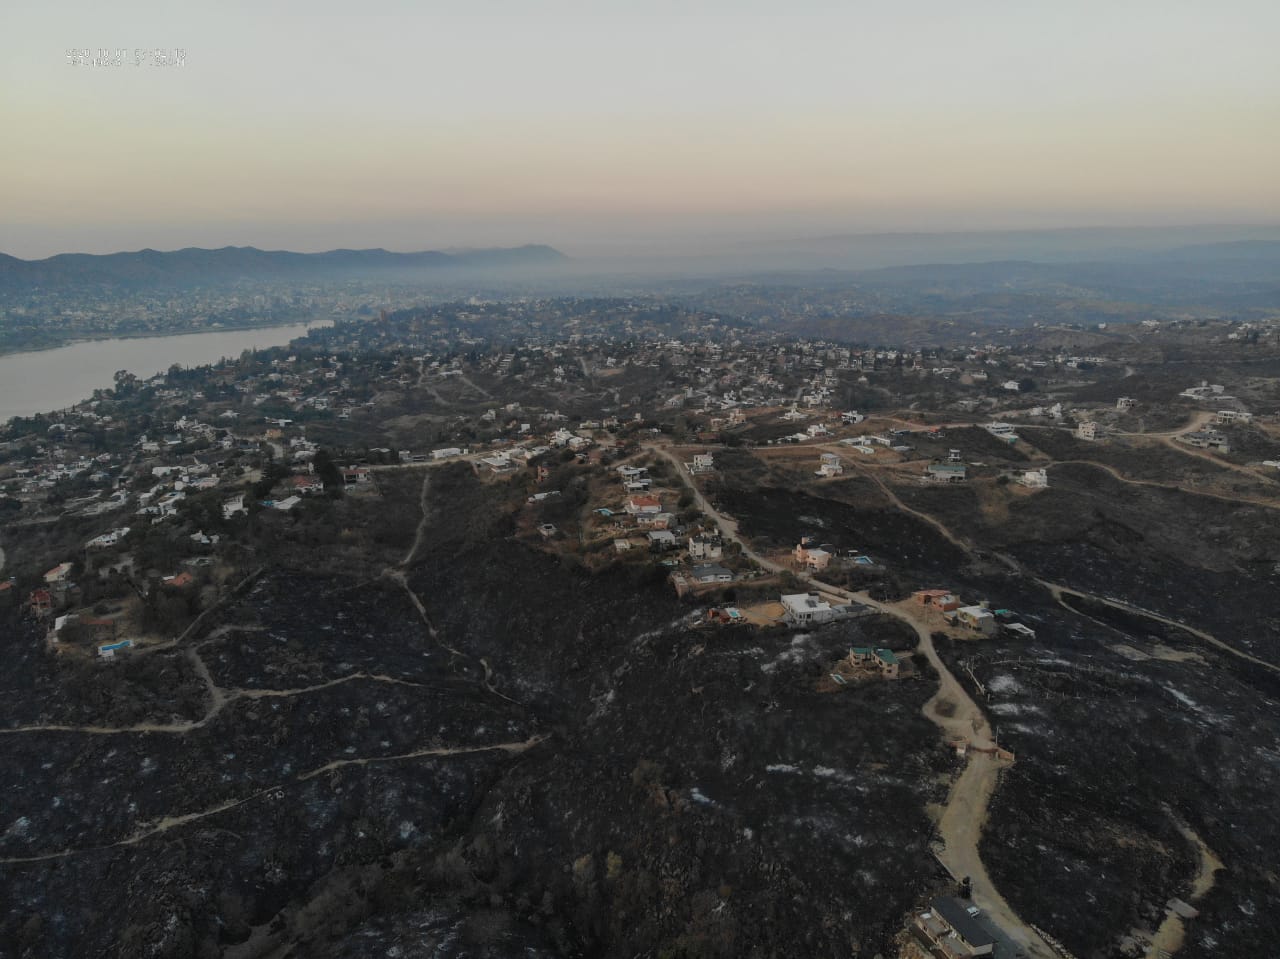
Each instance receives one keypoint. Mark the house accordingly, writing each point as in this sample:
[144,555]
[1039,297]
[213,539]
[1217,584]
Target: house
[1126,403]
[805,608]
[661,539]
[621,545]
[705,546]
[356,475]
[286,504]
[233,506]
[657,520]
[40,602]
[107,540]
[1232,416]
[1034,479]
[881,660]
[711,573]
[1018,631]
[940,599]
[306,485]
[945,473]
[815,558]
[950,929]
[830,465]
[180,581]
[446,453]
[643,506]
[978,618]
[702,463]
[499,463]
[59,576]
[1088,430]
[1206,439]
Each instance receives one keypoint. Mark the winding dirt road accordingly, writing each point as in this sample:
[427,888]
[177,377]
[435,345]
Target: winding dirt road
[953,711]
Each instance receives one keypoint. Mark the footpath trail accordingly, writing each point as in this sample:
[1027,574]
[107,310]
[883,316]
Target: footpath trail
[399,575]
[954,712]
[1057,589]
[168,823]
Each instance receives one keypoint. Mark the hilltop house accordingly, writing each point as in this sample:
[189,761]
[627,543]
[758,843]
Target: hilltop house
[58,576]
[940,599]
[944,473]
[711,573]
[1035,479]
[705,547]
[1225,417]
[881,660]
[949,929]
[830,465]
[805,608]
[812,609]
[662,539]
[1206,439]
[306,485]
[814,558]
[978,618]
[639,506]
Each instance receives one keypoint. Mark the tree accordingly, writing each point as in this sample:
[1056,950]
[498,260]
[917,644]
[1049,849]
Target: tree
[328,472]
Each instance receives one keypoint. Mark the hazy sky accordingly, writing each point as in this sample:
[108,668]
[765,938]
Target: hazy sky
[607,125]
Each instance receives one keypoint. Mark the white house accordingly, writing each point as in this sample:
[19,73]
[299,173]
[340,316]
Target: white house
[805,607]
[705,547]
[1035,479]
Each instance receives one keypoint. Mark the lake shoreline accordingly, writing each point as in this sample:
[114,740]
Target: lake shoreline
[162,334]
[35,382]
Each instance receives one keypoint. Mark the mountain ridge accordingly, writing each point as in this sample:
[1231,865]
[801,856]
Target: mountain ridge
[197,264]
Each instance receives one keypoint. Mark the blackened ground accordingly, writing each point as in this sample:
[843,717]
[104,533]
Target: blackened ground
[1208,562]
[39,688]
[1082,835]
[567,766]
[777,518]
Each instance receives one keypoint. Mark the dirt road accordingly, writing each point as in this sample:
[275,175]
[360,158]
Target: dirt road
[953,711]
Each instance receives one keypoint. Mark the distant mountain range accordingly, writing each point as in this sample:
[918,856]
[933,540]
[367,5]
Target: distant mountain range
[194,266]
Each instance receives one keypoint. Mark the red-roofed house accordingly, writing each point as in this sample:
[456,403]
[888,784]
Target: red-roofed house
[41,602]
[644,505]
[306,484]
[59,575]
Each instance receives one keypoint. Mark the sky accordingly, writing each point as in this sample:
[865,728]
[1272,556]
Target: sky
[617,127]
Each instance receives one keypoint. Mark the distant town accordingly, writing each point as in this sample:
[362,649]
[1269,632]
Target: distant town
[725,465]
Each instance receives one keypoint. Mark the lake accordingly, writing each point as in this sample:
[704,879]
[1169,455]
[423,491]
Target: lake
[49,380]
